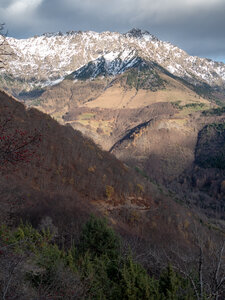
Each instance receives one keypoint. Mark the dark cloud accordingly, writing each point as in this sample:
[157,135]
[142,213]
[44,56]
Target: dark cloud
[196,26]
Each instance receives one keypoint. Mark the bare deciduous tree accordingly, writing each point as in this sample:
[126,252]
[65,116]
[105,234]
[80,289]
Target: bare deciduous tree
[204,266]
[11,265]
[3,45]
[16,145]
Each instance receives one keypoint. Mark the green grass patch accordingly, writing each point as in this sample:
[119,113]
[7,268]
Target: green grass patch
[190,107]
[86,116]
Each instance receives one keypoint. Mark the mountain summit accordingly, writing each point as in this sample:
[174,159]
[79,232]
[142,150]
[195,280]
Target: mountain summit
[139,33]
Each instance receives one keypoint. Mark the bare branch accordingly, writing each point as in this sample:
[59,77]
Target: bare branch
[219,263]
[3,46]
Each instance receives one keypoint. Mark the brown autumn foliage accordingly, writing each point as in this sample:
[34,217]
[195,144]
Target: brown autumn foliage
[62,165]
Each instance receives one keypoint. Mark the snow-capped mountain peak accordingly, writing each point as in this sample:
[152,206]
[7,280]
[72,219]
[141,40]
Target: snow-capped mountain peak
[49,57]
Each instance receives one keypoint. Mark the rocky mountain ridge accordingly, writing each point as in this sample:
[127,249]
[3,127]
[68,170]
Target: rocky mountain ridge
[47,59]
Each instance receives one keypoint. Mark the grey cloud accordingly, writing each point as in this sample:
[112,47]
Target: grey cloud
[197,26]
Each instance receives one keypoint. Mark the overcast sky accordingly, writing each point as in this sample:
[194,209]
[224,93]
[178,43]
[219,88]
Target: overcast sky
[197,26]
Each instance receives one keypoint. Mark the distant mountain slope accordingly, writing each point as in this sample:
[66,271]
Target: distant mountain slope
[95,104]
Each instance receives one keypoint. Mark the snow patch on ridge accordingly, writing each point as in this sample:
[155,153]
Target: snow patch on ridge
[110,64]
